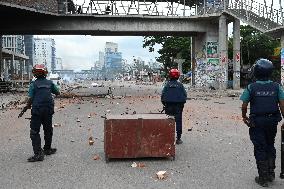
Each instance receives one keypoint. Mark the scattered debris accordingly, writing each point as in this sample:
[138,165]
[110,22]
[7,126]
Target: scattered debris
[161,175]
[62,106]
[57,125]
[134,164]
[117,97]
[219,102]
[108,96]
[91,141]
[140,165]
[96,157]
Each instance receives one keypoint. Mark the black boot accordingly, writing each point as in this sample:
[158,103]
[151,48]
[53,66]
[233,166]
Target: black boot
[271,167]
[179,141]
[39,156]
[262,167]
[50,151]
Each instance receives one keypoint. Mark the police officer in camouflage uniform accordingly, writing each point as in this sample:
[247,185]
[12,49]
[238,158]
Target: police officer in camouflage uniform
[42,104]
[173,98]
[264,97]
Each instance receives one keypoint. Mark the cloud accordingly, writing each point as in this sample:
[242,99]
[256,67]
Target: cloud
[80,52]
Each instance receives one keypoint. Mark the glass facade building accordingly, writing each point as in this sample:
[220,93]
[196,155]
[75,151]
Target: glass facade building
[113,60]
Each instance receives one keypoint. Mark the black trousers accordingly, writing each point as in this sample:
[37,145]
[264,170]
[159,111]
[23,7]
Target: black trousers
[263,137]
[175,109]
[41,116]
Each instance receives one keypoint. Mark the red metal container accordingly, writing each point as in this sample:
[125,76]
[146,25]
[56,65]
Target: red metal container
[139,135]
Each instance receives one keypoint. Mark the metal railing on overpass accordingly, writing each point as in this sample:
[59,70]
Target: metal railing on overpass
[260,15]
[255,12]
[148,7]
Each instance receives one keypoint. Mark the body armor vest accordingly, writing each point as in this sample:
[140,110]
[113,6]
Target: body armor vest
[174,92]
[264,98]
[42,94]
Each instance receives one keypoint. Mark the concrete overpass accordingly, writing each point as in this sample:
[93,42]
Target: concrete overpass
[206,22]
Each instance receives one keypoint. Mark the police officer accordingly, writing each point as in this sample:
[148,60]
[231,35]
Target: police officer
[264,97]
[173,98]
[42,104]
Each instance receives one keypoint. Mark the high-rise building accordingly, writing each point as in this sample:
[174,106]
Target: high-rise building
[58,65]
[113,58]
[101,61]
[111,47]
[29,49]
[45,52]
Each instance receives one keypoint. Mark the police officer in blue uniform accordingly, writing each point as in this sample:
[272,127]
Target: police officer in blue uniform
[173,98]
[264,97]
[42,104]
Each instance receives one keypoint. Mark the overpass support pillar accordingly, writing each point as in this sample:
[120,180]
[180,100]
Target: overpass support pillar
[223,46]
[282,59]
[236,54]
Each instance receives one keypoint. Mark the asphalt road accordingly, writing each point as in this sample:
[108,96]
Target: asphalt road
[216,152]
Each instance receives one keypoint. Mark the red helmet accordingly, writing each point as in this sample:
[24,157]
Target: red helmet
[174,74]
[39,70]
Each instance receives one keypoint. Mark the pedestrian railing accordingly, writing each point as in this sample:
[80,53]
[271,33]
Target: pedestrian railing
[148,7]
[255,13]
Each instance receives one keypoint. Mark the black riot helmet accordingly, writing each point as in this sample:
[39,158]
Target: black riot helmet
[262,69]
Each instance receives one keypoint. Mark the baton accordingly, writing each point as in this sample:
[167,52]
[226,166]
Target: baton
[23,111]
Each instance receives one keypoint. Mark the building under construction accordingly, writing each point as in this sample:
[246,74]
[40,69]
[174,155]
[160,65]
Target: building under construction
[16,60]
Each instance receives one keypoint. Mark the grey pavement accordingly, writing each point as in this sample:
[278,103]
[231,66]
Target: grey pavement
[216,153]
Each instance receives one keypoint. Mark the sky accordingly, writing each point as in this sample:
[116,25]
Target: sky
[80,52]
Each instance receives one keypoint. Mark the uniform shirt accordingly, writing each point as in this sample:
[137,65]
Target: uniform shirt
[54,89]
[245,97]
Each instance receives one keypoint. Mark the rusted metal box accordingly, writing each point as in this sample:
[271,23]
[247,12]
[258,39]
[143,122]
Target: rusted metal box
[139,135]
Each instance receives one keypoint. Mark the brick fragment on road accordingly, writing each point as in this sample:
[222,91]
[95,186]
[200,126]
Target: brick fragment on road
[91,141]
[57,125]
[161,175]
[96,157]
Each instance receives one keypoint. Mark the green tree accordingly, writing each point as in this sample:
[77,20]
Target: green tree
[255,45]
[172,48]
